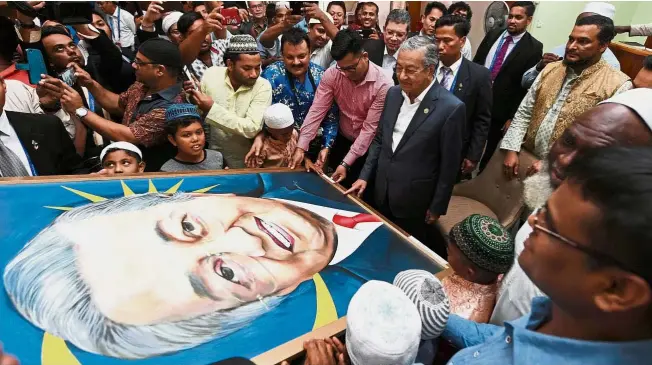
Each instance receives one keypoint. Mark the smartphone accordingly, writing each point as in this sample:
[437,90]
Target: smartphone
[35,65]
[296,7]
[188,77]
[365,33]
[68,76]
[231,16]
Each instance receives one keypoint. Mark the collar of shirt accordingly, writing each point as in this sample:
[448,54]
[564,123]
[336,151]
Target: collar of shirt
[227,81]
[419,98]
[454,67]
[116,12]
[373,73]
[391,55]
[169,93]
[5,127]
[515,38]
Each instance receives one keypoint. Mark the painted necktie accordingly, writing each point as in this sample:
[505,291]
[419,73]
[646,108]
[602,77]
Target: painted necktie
[351,222]
[500,58]
[10,164]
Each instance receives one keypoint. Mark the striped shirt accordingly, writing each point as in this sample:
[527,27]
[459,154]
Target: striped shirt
[360,108]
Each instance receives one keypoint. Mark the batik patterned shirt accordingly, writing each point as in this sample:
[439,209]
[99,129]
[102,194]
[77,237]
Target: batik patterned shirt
[300,103]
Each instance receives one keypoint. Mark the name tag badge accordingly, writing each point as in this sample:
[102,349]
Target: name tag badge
[35,144]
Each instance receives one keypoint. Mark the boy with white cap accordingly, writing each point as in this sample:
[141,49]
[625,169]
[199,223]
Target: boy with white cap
[280,137]
[121,158]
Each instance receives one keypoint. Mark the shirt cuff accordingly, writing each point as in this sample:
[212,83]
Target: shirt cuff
[350,158]
[506,145]
[303,143]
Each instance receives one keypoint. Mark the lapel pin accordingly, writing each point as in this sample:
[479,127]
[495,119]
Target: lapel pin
[460,85]
[35,144]
[426,110]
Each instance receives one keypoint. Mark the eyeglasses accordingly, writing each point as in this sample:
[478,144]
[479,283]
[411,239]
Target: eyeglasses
[567,241]
[408,71]
[349,68]
[138,62]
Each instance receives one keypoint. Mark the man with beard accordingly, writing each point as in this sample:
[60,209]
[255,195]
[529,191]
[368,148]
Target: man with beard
[625,120]
[563,91]
[234,99]
[294,83]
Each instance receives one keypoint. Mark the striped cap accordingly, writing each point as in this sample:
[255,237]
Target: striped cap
[242,43]
[427,293]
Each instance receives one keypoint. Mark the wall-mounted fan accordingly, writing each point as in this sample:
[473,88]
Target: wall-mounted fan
[495,17]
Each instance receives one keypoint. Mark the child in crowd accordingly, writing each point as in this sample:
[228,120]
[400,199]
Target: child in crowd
[280,139]
[479,251]
[121,158]
[185,131]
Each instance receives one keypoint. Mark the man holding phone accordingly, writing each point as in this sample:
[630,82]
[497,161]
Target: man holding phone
[368,24]
[258,20]
[197,47]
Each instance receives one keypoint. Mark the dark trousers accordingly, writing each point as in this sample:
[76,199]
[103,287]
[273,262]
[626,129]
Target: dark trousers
[495,135]
[340,149]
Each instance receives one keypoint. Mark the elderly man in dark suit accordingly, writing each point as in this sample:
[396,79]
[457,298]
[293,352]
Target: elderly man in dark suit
[467,80]
[35,144]
[508,54]
[415,156]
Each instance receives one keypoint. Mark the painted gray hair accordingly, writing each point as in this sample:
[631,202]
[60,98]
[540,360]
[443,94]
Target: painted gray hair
[45,286]
[426,45]
[398,16]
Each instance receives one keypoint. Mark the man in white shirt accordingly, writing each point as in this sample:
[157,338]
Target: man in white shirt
[415,156]
[397,27]
[123,27]
[625,119]
[636,30]
[320,42]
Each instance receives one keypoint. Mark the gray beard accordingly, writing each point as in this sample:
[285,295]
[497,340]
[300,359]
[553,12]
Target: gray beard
[537,188]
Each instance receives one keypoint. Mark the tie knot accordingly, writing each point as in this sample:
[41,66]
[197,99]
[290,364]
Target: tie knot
[446,70]
[509,39]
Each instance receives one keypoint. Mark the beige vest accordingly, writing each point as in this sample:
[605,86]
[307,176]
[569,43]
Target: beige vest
[597,83]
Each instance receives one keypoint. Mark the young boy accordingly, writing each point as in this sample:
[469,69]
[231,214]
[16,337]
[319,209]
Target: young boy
[186,132]
[121,158]
[479,251]
[281,137]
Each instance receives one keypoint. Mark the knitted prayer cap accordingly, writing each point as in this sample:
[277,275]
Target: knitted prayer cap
[242,43]
[485,242]
[181,111]
[161,51]
[427,293]
[278,116]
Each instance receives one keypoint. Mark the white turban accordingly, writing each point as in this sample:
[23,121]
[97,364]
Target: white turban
[278,116]
[638,100]
[600,8]
[170,20]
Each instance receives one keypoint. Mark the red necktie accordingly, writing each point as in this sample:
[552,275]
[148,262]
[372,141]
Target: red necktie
[351,222]
[500,58]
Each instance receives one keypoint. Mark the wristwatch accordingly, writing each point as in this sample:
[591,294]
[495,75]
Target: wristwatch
[81,112]
[345,165]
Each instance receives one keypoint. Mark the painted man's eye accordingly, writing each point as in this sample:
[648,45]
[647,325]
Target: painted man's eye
[191,228]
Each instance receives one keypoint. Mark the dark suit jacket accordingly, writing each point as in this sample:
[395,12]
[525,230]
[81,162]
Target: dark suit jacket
[421,173]
[507,89]
[47,143]
[473,87]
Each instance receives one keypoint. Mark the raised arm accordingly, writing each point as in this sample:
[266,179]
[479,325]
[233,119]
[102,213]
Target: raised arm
[191,46]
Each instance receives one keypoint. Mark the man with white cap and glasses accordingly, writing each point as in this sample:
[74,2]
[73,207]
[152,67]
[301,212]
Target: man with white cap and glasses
[557,53]
[625,119]
[563,91]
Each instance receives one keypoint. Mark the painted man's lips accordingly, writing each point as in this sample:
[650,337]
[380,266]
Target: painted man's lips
[279,235]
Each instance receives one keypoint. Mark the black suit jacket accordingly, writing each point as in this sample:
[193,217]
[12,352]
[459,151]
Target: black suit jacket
[47,143]
[473,87]
[507,89]
[421,173]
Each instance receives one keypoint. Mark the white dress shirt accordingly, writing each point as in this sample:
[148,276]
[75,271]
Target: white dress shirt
[125,32]
[389,62]
[406,114]
[455,67]
[21,98]
[467,50]
[494,48]
[322,56]
[10,139]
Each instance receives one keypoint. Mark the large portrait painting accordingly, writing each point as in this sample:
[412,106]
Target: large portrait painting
[183,269]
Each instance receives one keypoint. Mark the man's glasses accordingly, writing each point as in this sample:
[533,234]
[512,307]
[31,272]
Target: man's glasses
[408,71]
[138,62]
[567,241]
[349,68]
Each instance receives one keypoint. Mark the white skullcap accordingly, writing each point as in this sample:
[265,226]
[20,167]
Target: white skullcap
[600,8]
[170,20]
[427,293]
[638,100]
[278,116]
[383,326]
[316,21]
[282,5]
[121,146]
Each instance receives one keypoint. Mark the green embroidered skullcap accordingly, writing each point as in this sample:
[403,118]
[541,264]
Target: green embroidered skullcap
[485,242]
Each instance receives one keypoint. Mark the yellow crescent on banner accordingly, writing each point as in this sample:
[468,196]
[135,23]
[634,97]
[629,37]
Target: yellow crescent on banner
[326,311]
[55,352]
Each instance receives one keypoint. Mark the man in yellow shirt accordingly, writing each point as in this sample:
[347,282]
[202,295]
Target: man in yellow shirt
[233,98]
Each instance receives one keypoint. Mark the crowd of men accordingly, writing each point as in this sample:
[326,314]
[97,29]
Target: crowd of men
[396,115]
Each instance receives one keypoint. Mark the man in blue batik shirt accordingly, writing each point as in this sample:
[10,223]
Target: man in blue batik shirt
[590,253]
[294,82]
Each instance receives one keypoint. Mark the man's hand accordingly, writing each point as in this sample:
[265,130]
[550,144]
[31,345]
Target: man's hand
[431,218]
[213,22]
[510,165]
[310,166]
[506,126]
[297,158]
[322,157]
[622,29]
[340,350]
[203,101]
[6,359]
[254,151]
[468,166]
[358,188]
[339,174]
[244,15]
[312,10]
[83,77]
[50,87]
[154,12]
[71,100]
[546,59]
[374,35]
[534,168]
[319,352]
[292,20]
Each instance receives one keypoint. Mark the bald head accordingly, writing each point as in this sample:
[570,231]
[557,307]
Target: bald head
[604,125]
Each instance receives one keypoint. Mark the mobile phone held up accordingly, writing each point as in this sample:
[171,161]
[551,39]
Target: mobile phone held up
[35,65]
[231,17]
[68,76]
[365,33]
[297,6]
